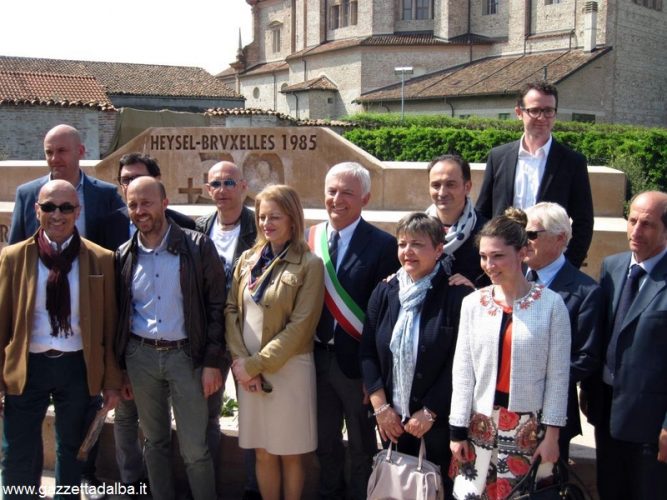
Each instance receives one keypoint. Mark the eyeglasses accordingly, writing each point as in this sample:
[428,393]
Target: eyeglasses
[125,180]
[532,235]
[228,183]
[536,112]
[65,208]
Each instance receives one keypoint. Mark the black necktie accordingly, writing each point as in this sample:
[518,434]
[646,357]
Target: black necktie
[628,295]
[532,276]
[333,248]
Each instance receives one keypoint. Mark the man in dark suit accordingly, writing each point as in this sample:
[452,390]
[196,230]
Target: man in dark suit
[232,229]
[549,232]
[628,403]
[357,256]
[114,230]
[449,183]
[63,150]
[538,168]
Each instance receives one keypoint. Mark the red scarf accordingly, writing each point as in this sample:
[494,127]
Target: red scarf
[59,264]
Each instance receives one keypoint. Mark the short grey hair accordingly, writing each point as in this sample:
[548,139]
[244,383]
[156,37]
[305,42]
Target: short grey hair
[553,217]
[351,168]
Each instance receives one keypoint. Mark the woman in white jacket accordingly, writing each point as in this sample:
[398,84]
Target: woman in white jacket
[511,370]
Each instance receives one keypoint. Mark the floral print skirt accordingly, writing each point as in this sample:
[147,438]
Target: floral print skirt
[502,446]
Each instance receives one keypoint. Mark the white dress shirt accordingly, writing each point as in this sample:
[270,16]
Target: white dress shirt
[529,172]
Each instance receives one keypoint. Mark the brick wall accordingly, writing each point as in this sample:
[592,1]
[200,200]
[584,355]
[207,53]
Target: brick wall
[22,129]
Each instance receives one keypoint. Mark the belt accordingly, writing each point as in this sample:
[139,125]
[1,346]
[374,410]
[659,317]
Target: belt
[160,344]
[54,353]
[325,347]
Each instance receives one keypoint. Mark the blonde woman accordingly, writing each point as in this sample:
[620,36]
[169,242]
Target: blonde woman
[273,308]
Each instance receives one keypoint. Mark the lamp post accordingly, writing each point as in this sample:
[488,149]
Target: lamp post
[403,70]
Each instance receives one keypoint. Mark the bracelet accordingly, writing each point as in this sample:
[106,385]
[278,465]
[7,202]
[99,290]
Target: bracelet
[429,416]
[381,409]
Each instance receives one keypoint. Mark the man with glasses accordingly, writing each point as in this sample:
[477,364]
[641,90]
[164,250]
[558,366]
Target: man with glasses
[549,232]
[63,150]
[538,168]
[232,228]
[57,325]
[115,229]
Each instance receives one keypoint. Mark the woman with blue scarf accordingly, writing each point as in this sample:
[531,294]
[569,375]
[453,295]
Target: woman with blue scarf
[272,310]
[408,342]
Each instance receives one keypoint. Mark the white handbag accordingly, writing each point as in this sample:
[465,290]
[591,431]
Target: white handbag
[397,476]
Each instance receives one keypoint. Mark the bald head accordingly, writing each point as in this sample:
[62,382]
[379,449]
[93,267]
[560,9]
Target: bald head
[647,224]
[57,209]
[146,203]
[227,189]
[63,151]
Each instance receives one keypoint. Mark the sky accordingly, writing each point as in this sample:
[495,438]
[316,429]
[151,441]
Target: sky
[202,33]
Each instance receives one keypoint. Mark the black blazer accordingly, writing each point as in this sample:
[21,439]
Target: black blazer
[247,235]
[438,329]
[639,401]
[371,256]
[583,299]
[100,199]
[565,182]
[114,229]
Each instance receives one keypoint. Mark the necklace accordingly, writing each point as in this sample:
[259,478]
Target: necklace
[231,224]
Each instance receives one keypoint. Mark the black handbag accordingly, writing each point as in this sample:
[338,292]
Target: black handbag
[559,489]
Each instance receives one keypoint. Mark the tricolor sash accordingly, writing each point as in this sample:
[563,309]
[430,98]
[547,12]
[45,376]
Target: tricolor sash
[341,306]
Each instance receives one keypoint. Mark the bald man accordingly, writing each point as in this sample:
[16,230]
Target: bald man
[628,403]
[57,324]
[171,336]
[232,229]
[63,150]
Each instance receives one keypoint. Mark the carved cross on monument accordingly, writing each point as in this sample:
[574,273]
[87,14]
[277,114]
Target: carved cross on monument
[190,191]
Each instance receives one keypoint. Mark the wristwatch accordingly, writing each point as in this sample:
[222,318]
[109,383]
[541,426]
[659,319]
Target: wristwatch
[429,416]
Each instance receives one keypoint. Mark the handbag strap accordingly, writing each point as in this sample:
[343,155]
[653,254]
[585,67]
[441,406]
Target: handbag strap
[420,457]
[528,483]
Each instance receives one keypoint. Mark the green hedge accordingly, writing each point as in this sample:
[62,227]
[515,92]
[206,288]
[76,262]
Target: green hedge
[640,152]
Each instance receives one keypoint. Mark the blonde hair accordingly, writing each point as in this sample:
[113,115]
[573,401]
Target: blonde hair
[288,201]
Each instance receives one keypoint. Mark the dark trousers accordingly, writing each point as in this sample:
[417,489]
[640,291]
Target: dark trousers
[625,470]
[340,400]
[62,380]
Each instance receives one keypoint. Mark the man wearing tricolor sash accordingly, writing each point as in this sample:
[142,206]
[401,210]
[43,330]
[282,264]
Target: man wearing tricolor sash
[356,257]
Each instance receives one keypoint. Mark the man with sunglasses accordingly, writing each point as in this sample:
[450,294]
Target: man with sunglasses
[538,168]
[232,228]
[549,232]
[63,150]
[115,229]
[57,325]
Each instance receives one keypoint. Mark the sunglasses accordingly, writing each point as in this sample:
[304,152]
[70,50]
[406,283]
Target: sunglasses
[532,235]
[125,181]
[65,208]
[228,183]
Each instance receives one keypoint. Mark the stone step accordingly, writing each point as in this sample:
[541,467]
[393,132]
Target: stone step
[404,187]
[609,236]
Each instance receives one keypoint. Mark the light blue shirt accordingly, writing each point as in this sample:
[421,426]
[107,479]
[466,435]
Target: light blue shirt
[547,274]
[157,299]
[345,236]
[647,265]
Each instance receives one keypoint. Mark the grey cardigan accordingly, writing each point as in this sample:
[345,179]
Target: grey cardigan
[540,364]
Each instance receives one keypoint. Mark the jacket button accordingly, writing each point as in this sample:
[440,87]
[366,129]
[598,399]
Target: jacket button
[418,375]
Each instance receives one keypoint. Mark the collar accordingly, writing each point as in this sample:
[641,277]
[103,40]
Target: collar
[648,264]
[159,248]
[549,272]
[54,245]
[79,185]
[542,152]
[346,233]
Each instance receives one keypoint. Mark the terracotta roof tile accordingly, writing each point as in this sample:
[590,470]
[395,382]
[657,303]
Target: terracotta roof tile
[267,68]
[18,87]
[319,83]
[490,76]
[131,79]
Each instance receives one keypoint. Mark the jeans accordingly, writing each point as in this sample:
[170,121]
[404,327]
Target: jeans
[156,375]
[64,381]
[129,455]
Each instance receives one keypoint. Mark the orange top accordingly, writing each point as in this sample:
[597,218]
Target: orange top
[503,382]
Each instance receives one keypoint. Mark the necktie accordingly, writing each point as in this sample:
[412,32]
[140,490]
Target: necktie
[532,276]
[333,248]
[627,297]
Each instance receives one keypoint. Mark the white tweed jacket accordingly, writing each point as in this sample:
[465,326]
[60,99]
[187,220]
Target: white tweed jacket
[540,364]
